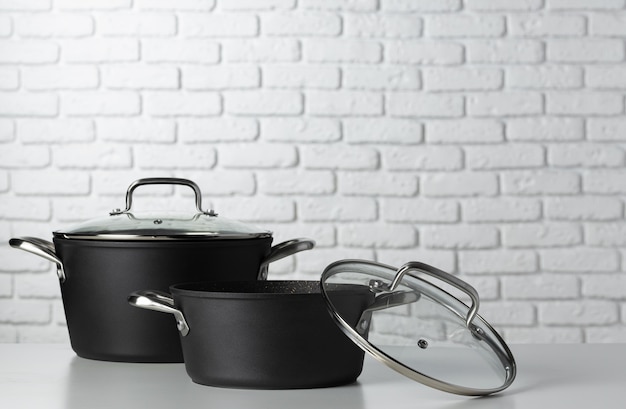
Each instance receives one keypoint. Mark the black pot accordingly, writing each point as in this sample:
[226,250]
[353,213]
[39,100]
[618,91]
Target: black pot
[101,261]
[264,334]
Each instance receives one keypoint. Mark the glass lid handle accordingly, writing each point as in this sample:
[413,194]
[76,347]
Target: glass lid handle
[416,266]
[162,181]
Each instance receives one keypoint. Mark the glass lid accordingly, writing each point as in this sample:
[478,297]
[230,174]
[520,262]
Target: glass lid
[126,225]
[420,330]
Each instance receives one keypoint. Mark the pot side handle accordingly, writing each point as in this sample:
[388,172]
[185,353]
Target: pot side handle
[282,250]
[41,248]
[159,301]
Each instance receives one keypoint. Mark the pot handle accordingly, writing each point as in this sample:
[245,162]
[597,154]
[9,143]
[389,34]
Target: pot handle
[42,248]
[159,301]
[162,181]
[282,250]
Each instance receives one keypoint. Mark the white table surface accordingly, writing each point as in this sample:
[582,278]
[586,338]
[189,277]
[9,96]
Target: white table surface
[549,376]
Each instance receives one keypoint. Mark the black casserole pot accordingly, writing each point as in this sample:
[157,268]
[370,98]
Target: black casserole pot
[101,261]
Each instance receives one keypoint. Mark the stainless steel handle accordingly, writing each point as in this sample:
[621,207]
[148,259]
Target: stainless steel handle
[282,250]
[41,248]
[162,181]
[159,301]
[416,266]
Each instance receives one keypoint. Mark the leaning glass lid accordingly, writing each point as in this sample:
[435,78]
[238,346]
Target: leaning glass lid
[193,225]
[421,330]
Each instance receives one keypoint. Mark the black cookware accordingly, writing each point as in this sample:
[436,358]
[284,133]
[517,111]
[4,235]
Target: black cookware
[101,261]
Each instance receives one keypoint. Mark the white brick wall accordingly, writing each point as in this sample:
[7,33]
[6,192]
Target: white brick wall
[485,137]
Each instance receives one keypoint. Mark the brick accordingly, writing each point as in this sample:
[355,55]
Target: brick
[584,5]
[505,104]
[223,129]
[508,313]
[441,259]
[385,130]
[28,104]
[175,4]
[81,208]
[420,5]
[545,129]
[300,129]
[487,286]
[373,236]
[608,76]
[218,25]
[503,5]
[424,53]
[21,262]
[144,24]
[92,50]
[101,103]
[92,4]
[605,286]
[610,335]
[93,156]
[464,25]
[497,261]
[7,130]
[24,311]
[382,25]
[340,103]
[28,52]
[605,234]
[239,5]
[466,130]
[579,260]
[583,208]
[509,51]
[220,77]
[419,210]
[505,156]
[427,158]
[37,286]
[368,183]
[541,235]
[424,105]
[168,157]
[586,312]
[298,76]
[503,209]
[312,263]
[54,25]
[341,51]
[301,24]
[544,182]
[584,103]
[544,77]
[540,287]
[257,155]
[380,78]
[346,5]
[9,78]
[14,156]
[587,155]
[324,233]
[56,130]
[459,237]
[124,76]
[604,181]
[261,50]
[113,182]
[589,50]
[605,24]
[461,79]
[547,25]
[288,182]
[6,286]
[33,5]
[60,77]
[459,184]
[337,209]
[263,102]
[6,26]
[335,156]
[197,51]
[34,182]
[223,182]
[544,335]
[606,129]
[172,103]
[258,209]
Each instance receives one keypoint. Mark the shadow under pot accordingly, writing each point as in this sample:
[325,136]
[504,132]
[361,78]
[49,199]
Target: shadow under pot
[99,262]
[265,334]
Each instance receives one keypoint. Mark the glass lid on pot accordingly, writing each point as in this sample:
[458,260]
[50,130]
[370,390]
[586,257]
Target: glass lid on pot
[198,225]
[420,330]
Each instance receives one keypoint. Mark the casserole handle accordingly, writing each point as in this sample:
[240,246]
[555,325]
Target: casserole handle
[159,301]
[282,250]
[42,248]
